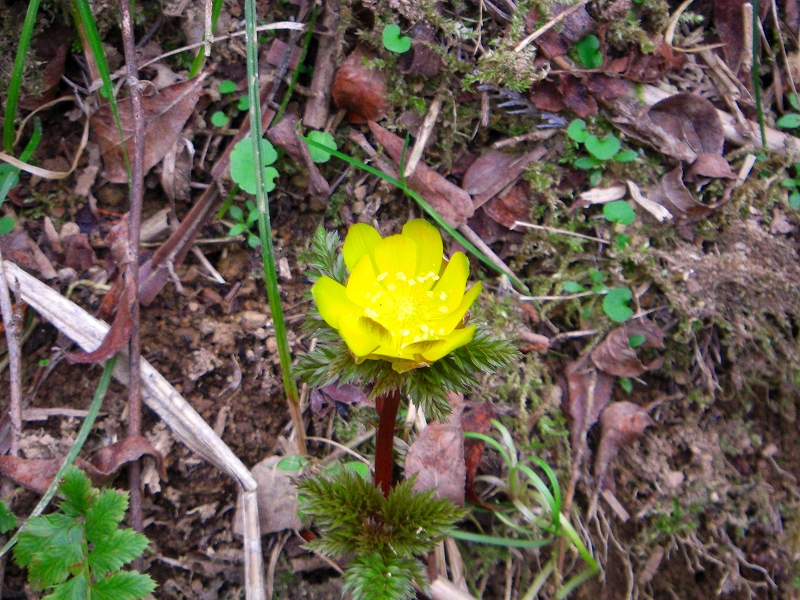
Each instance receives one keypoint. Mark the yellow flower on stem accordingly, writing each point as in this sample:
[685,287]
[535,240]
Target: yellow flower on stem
[403,302]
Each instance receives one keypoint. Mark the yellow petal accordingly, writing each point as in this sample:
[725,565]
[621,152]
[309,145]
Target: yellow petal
[455,340]
[451,320]
[360,241]
[362,285]
[358,335]
[429,246]
[396,254]
[449,290]
[331,299]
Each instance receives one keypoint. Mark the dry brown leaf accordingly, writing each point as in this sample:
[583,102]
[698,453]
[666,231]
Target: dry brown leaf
[477,420]
[691,119]
[671,193]
[620,424]
[576,96]
[110,458]
[710,165]
[437,458]
[450,201]
[647,68]
[277,499]
[359,90]
[325,398]
[284,135]
[21,249]
[165,114]
[422,61]
[78,253]
[615,356]
[494,171]
[588,393]
[510,206]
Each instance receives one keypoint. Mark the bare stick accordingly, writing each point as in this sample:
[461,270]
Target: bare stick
[424,135]
[556,230]
[132,269]
[549,25]
[14,361]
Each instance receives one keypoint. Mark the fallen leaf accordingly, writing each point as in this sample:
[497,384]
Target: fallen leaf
[615,356]
[647,68]
[78,252]
[655,209]
[284,135]
[165,114]
[450,201]
[477,420]
[576,96]
[729,24]
[671,193]
[325,398]
[423,60]
[691,119]
[710,165]
[510,206]
[607,88]
[360,90]
[436,457]
[494,171]
[118,335]
[588,393]
[37,474]
[545,96]
[276,498]
[620,424]
[22,250]
[109,459]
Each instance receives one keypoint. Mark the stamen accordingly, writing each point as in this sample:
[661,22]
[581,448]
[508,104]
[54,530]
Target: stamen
[382,276]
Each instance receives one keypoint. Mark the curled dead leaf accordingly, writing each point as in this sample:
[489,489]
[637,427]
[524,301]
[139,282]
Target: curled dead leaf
[422,61]
[494,171]
[672,194]
[360,90]
[588,393]
[615,356]
[165,114]
[437,459]
[691,119]
[477,420]
[620,424]
[710,165]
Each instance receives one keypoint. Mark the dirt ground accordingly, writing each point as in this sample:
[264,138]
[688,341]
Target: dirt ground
[703,503]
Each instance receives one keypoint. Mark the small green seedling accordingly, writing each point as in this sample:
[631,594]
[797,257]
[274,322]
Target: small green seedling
[6,225]
[620,212]
[242,171]
[79,552]
[790,120]
[600,150]
[244,103]
[227,87]
[589,52]
[393,41]
[794,188]
[219,119]
[325,139]
[615,300]
[244,224]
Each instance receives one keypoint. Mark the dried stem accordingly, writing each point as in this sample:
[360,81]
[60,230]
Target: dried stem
[384,442]
[14,361]
[132,270]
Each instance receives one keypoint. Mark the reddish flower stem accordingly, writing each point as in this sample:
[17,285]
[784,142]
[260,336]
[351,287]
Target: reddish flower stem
[384,442]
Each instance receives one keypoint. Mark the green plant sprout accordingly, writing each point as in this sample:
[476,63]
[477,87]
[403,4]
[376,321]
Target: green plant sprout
[9,175]
[79,552]
[525,489]
[322,138]
[393,41]
[600,150]
[390,315]
[620,212]
[589,54]
[242,170]
[219,119]
[615,300]
[794,187]
[227,87]
[244,225]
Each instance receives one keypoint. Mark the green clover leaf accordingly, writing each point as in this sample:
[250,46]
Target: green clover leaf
[615,304]
[577,131]
[325,139]
[227,87]
[219,119]
[620,212]
[393,41]
[790,121]
[602,149]
[242,169]
[589,52]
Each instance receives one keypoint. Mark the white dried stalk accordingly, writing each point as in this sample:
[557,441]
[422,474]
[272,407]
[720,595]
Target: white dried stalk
[164,400]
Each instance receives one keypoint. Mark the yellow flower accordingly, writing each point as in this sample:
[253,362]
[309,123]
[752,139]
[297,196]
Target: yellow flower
[403,302]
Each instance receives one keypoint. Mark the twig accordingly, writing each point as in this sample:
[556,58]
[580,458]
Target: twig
[424,135]
[132,269]
[549,25]
[484,247]
[14,361]
[556,230]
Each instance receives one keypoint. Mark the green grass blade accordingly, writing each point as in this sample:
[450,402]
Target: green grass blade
[492,442]
[12,175]
[540,580]
[423,204]
[541,486]
[16,75]
[200,57]
[491,540]
[265,231]
[756,76]
[570,585]
[296,74]
[554,485]
[80,440]
[96,46]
